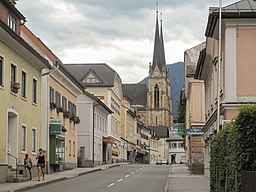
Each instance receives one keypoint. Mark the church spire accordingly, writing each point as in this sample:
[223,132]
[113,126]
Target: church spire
[162,52]
[156,53]
[159,53]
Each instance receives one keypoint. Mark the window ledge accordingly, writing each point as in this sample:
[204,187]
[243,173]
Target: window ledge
[35,104]
[1,87]
[14,94]
[23,152]
[33,153]
[24,98]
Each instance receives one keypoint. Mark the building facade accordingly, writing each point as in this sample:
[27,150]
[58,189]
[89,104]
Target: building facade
[102,81]
[20,89]
[195,110]
[237,66]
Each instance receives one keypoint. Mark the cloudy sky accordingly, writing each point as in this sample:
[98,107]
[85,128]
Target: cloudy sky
[118,32]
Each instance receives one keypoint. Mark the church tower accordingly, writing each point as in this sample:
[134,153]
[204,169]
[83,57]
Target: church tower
[159,113]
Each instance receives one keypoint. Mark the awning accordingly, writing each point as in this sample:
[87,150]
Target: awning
[107,140]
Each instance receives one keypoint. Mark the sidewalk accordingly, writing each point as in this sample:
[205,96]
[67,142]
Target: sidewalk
[182,181]
[53,177]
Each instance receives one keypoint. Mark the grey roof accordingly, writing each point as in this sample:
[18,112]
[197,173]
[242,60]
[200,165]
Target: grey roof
[104,72]
[160,131]
[240,9]
[174,136]
[137,93]
[158,54]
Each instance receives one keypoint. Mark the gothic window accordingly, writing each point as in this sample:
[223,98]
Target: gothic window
[156,96]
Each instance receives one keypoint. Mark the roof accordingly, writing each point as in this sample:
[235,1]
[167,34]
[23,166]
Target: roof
[24,44]
[137,93]
[200,63]
[158,54]
[160,131]
[174,136]
[102,70]
[240,9]
[12,8]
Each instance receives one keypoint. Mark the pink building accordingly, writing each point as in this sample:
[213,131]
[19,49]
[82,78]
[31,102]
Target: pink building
[237,69]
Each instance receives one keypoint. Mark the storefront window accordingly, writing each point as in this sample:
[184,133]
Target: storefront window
[60,149]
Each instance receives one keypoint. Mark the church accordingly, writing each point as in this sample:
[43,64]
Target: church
[152,100]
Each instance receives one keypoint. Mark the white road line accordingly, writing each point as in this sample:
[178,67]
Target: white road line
[111,184]
[132,173]
[127,175]
[141,168]
[119,180]
[137,170]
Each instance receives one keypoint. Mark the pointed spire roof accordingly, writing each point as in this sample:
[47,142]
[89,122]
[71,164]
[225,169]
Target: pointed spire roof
[162,52]
[158,54]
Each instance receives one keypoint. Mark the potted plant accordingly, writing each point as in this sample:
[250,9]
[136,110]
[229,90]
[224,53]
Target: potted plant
[59,109]
[53,105]
[15,87]
[72,117]
[66,114]
[77,120]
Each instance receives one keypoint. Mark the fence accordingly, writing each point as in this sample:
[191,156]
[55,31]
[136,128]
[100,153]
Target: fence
[248,181]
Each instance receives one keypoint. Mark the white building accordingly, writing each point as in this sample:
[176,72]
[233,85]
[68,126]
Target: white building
[93,146]
[176,147]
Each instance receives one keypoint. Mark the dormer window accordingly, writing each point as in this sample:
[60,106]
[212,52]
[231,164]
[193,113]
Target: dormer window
[12,22]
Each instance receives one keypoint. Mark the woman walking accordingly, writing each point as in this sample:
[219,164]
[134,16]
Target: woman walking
[28,165]
[40,163]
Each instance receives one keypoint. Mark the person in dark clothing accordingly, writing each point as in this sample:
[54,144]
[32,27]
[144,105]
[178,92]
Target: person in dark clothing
[28,165]
[40,163]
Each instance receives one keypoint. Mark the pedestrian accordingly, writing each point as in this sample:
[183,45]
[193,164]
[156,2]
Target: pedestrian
[28,165]
[40,163]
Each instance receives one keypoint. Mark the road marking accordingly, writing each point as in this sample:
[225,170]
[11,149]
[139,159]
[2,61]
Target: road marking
[127,175]
[141,168]
[111,184]
[137,170]
[119,180]
[132,173]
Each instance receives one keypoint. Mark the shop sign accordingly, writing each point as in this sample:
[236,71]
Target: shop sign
[195,132]
[55,127]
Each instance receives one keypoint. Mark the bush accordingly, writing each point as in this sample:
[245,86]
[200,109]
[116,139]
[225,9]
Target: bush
[233,150]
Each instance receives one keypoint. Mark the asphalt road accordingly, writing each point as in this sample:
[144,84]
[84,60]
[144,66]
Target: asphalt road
[128,178]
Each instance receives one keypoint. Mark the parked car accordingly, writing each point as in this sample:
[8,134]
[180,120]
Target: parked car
[162,162]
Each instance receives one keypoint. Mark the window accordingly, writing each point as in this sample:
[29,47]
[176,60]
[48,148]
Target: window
[34,91]
[23,84]
[174,145]
[23,139]
[64,103]
[33,140]
[12,22]
[69,146]
[156,96]
[51,95]
[13,73]
[74,149]
[1,72]
[57,98]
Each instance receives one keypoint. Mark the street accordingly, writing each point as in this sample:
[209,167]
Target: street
[143,178]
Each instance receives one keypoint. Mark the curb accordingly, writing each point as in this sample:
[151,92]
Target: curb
[167,184]
[20,189]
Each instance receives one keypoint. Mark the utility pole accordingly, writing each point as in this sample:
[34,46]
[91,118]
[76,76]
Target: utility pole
[219,74]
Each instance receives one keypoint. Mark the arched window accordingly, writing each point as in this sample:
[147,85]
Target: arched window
[156,96]
[156,121]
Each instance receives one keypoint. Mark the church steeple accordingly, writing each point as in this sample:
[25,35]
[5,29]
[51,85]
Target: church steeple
[156,53]
[159,53]
[162,52]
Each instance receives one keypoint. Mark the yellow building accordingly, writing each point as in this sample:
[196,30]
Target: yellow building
[20,92]
[59,104]
[195,111]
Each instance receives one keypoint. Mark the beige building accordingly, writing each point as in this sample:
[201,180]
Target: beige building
[128,128]
[20,92]
[195,110]
[59,109]
[237,67]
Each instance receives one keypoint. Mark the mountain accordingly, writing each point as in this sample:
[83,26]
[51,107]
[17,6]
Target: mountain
[177,76]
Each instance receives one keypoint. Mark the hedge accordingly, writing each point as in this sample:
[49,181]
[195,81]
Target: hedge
[233,149]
